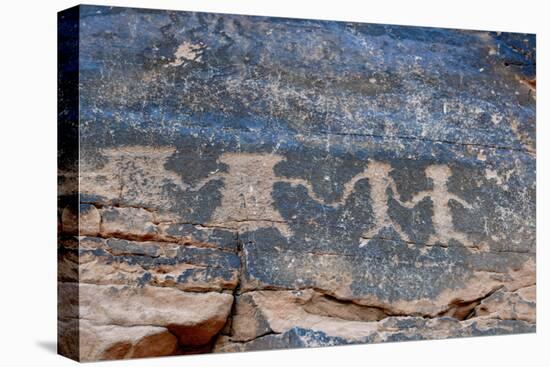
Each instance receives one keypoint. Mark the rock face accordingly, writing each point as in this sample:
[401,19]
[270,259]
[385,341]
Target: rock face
[235,183]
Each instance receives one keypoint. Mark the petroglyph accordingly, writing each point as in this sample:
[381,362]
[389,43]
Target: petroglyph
[439,197]
[247,202]
[442,218]
[380,181]
[247,197]
[138,174]
[134,172]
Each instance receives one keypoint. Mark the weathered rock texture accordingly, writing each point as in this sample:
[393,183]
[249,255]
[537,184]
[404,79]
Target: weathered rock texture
[234,183]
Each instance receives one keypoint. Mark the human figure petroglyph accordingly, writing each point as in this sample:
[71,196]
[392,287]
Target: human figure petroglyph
[380,179]
[442,217]
[252,177]
[247,200]
[247,197]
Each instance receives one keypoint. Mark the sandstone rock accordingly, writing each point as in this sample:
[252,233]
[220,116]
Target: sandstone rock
[233,183]
[389,274]
[294,338]
[68,260]
[199,236]
[278,311]
[68,343]
[179,310]
[389,330]
[507,305]
[117,261]
[89,220]
[104,342]
[83,221]
[69,220]
[125,322]
[322,321]
[248,321]
[127,222]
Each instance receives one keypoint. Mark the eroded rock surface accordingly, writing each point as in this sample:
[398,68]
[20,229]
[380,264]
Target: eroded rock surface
[232,183]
